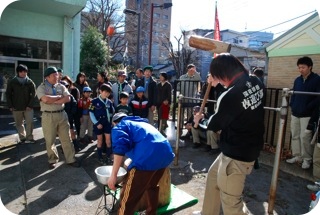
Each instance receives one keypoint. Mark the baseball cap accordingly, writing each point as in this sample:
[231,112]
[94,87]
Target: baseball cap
[118,116]
[148,67]
[87,89]
[140,89]
[120,73]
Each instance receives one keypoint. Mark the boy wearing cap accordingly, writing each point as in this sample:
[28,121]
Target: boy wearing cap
[139,104]
[123,107]
[101,111]
[150,86]
[121,86]
[86,123]
[53,96]
[149,156]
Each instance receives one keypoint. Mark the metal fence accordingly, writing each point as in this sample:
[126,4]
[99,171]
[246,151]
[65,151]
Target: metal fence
[272,99]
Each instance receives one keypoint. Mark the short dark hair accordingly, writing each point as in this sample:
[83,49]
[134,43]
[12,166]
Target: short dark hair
[164,75]
[305,60]
[258,72]
[105,87]
[140,70]
[226,65]
[21,67]
[124,95]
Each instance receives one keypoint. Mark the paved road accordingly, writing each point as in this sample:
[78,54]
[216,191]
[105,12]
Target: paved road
[27,187]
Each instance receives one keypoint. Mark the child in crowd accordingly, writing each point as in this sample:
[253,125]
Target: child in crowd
[71,110]
[164,116]
[86,123]
[101,111]
[139,104]
[164,89]
[123,107]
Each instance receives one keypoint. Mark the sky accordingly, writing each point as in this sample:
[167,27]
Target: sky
[239,15]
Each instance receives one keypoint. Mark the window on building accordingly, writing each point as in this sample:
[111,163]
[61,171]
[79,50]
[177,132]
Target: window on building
[165,17]
[235,40]
[156,15]
[55,50]
[164,25]
[21,47]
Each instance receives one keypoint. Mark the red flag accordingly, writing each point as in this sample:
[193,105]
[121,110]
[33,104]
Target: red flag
[216,26]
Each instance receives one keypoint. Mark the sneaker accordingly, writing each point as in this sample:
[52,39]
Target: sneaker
[314,187]
[30,141]
[196,213]
[306,164]
[75,164]
[21,141]
[295,159]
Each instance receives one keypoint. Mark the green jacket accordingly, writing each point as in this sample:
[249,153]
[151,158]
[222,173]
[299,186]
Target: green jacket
[20,96]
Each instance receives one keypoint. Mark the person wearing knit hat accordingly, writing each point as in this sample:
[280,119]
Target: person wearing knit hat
[53,96]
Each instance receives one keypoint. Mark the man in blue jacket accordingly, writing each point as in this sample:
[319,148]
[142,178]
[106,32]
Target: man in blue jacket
[302,108]
[150,153]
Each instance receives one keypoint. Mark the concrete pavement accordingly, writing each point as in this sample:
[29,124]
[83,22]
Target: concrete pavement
[28,187]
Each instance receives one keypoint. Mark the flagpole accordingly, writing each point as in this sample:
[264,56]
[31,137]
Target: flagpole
[216,34]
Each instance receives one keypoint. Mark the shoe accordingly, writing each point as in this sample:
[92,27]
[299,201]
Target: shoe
[295,159]
[206,149]
[196,213]
[163,133]
[313,187]
[214,151]
[52,165]
[196,145]
[30,141]
[83,141]
[90,139]
[21,141]
[306,164]
[75,164]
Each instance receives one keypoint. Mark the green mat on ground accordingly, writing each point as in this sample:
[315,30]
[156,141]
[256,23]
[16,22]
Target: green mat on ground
[178,200]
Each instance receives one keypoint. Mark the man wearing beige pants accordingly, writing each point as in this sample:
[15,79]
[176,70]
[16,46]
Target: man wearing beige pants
[302,108]
[53,96]
[239,120]
[21,92]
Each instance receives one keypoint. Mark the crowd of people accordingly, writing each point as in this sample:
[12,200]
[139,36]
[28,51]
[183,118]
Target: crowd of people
[232,126]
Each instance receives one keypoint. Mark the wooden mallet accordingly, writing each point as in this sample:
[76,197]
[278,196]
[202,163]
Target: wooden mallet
[211,45]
